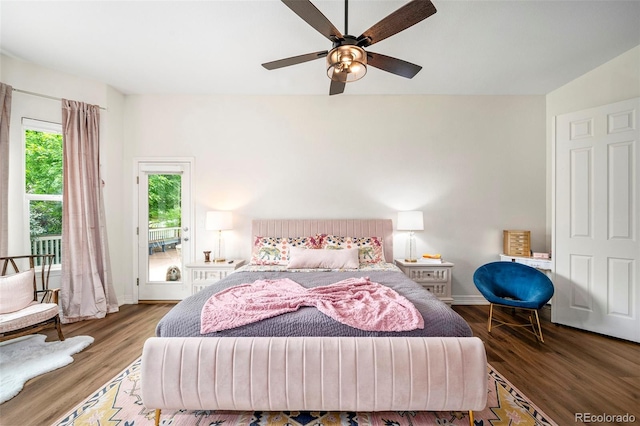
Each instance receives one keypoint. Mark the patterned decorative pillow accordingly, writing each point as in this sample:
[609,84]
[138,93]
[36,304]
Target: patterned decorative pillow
[369,248]
[276,250]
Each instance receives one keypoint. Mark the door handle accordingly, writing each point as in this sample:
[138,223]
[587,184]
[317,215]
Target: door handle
[185,239]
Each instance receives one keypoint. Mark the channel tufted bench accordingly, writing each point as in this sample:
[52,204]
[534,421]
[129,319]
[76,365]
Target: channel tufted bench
[314,373]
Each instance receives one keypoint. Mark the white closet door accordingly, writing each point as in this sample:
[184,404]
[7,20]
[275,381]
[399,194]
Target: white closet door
[597,252]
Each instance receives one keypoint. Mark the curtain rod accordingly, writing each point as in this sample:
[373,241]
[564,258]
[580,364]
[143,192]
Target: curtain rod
[45,96]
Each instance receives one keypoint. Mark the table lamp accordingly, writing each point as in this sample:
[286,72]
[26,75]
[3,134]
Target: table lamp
[410,221]
[218,221]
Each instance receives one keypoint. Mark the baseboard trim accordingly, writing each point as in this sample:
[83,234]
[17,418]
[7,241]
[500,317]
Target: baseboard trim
[469,300]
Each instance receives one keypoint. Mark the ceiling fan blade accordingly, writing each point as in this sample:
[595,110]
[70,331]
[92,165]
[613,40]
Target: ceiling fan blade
[294,60]
[312,16]
[393,65]
[408,15]
[337,87]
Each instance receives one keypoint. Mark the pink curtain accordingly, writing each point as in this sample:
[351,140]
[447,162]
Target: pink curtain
[6,92]
[87,290]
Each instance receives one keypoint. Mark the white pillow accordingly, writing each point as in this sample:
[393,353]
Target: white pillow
[300,258]
[16,291]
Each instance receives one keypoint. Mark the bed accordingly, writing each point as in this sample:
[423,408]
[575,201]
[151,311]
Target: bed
[298,360]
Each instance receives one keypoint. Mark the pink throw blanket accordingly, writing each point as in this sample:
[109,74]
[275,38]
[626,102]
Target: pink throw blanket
[356,302]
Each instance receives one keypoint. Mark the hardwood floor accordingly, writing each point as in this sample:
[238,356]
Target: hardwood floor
[118,342]
[572,372]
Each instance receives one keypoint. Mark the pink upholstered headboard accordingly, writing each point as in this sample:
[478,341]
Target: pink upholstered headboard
[382,228]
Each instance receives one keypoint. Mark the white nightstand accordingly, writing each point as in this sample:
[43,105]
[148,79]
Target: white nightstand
[435,277]
[203,274]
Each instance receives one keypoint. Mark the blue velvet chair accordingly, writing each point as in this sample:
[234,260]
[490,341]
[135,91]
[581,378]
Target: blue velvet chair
[514,285]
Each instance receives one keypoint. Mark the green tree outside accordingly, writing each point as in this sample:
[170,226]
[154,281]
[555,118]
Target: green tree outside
[43,176]
[165,196]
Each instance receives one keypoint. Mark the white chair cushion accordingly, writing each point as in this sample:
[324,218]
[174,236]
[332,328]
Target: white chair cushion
[16,291]
[32,314]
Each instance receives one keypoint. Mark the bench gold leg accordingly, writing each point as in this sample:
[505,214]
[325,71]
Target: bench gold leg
[471,418]
[158,411]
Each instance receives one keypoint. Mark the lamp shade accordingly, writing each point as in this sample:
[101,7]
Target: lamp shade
[218,221]
[410,221]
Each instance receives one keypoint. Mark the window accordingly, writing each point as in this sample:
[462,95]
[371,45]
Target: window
[43,186]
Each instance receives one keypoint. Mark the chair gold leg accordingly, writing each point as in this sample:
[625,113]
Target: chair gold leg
[471,418]
[539,333]
[490,317]
[158,411]
[534,323]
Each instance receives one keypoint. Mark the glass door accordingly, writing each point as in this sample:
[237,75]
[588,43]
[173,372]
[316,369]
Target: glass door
[164,230]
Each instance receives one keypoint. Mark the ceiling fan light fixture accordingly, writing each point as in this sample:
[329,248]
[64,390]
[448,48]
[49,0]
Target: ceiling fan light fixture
[346,63]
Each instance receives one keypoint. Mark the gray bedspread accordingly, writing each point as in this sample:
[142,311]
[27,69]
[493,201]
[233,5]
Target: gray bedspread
[440,320]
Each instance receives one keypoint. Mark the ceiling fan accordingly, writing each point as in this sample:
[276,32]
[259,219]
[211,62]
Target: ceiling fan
[347,60]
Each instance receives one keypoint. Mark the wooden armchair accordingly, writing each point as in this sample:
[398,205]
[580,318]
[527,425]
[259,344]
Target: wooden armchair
[27,305]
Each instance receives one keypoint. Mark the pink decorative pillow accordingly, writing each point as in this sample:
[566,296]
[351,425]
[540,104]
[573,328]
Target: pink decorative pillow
[369,248]
[275,250]
[323,258]
[16,291]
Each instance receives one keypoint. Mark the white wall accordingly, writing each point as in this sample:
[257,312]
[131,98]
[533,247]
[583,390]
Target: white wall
[26,76]
[474,164]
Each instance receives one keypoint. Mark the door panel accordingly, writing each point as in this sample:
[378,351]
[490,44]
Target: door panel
[597,251]
[164,229]
[581,192]
[620,188]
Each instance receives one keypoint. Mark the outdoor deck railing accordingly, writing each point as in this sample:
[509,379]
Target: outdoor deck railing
[156,234]
[52,244]
[47,244]
[160,238]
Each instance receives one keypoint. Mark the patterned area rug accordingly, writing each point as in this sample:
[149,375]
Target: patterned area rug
[118,403]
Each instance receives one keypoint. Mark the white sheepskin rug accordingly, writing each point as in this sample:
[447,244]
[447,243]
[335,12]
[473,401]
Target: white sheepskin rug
[26,357]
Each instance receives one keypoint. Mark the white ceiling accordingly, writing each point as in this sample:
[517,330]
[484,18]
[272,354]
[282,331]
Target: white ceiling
[216,47]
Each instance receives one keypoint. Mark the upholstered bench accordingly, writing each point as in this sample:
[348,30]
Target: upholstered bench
[314,373]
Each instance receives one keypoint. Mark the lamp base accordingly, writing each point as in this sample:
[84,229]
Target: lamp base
[410,252]
[218,255]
